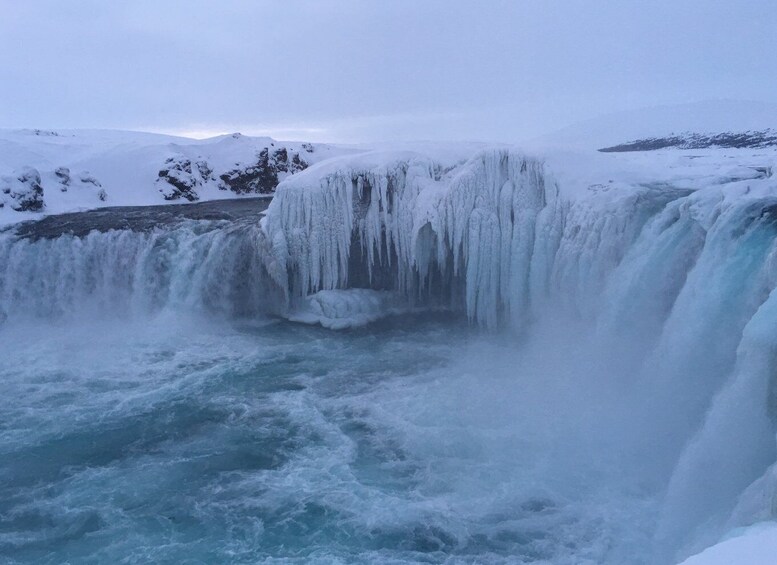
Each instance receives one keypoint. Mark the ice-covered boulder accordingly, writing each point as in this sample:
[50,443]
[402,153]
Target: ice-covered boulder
[24,191]
[62,174]
[88,178]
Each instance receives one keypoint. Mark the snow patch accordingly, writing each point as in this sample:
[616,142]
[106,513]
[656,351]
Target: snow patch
[756,545]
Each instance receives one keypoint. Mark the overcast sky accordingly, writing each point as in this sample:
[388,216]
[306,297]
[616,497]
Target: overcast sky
[360,70]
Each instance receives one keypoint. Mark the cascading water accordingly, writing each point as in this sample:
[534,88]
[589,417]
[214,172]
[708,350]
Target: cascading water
[618,416]
[207,265]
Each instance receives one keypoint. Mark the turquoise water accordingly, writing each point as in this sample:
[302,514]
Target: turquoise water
[191,441]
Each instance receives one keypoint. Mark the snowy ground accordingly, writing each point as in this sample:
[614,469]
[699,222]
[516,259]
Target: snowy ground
[122,168]
[756,545]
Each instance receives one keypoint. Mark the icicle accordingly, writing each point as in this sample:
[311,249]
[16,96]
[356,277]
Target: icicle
[408,218]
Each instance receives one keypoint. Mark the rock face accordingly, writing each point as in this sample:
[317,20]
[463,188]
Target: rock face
[63,176]
[263,176]
[24,192]
[179,178]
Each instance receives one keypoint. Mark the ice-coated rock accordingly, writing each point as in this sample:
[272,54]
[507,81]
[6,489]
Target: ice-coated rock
[23,192]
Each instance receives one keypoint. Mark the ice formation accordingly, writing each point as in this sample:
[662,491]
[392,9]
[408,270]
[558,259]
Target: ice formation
[429,225]
[490,234]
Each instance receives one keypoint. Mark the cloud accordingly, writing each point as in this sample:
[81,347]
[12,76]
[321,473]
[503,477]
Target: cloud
[360,71]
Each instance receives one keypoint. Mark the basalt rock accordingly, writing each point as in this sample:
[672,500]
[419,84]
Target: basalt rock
[264,175]
[178,179]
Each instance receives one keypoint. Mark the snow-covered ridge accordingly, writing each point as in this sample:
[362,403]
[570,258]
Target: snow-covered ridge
[706,118]
[48,172]
[690,140]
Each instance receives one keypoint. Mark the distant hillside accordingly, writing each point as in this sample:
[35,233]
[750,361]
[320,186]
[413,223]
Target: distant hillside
[742,140]
[714,123]
[43,171]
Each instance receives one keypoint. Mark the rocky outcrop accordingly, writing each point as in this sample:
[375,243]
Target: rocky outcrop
[264,175]
[87,178]
[179,178]
[182,177]
[63,176]
[24,192]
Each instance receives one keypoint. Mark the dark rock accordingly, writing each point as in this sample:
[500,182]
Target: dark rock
[206,172]
[176,180]
[87,178]
[262,177]
[179,178]
[63,175]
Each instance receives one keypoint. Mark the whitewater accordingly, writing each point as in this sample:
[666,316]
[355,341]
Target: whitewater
[542,358]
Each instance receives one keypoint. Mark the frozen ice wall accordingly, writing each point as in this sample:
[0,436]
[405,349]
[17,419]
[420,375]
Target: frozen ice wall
[466,230]
[491,234]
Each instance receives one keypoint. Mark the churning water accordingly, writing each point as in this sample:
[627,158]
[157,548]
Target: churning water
[190,441]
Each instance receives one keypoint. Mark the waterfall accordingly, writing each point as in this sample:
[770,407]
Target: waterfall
[209,266]
[675,287]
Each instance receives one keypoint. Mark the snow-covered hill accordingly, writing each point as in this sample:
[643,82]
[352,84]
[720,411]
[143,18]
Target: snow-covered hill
[702,119]
[689,140]
[58,171]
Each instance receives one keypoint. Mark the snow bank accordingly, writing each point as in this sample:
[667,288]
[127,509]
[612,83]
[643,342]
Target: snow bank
[756,545]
